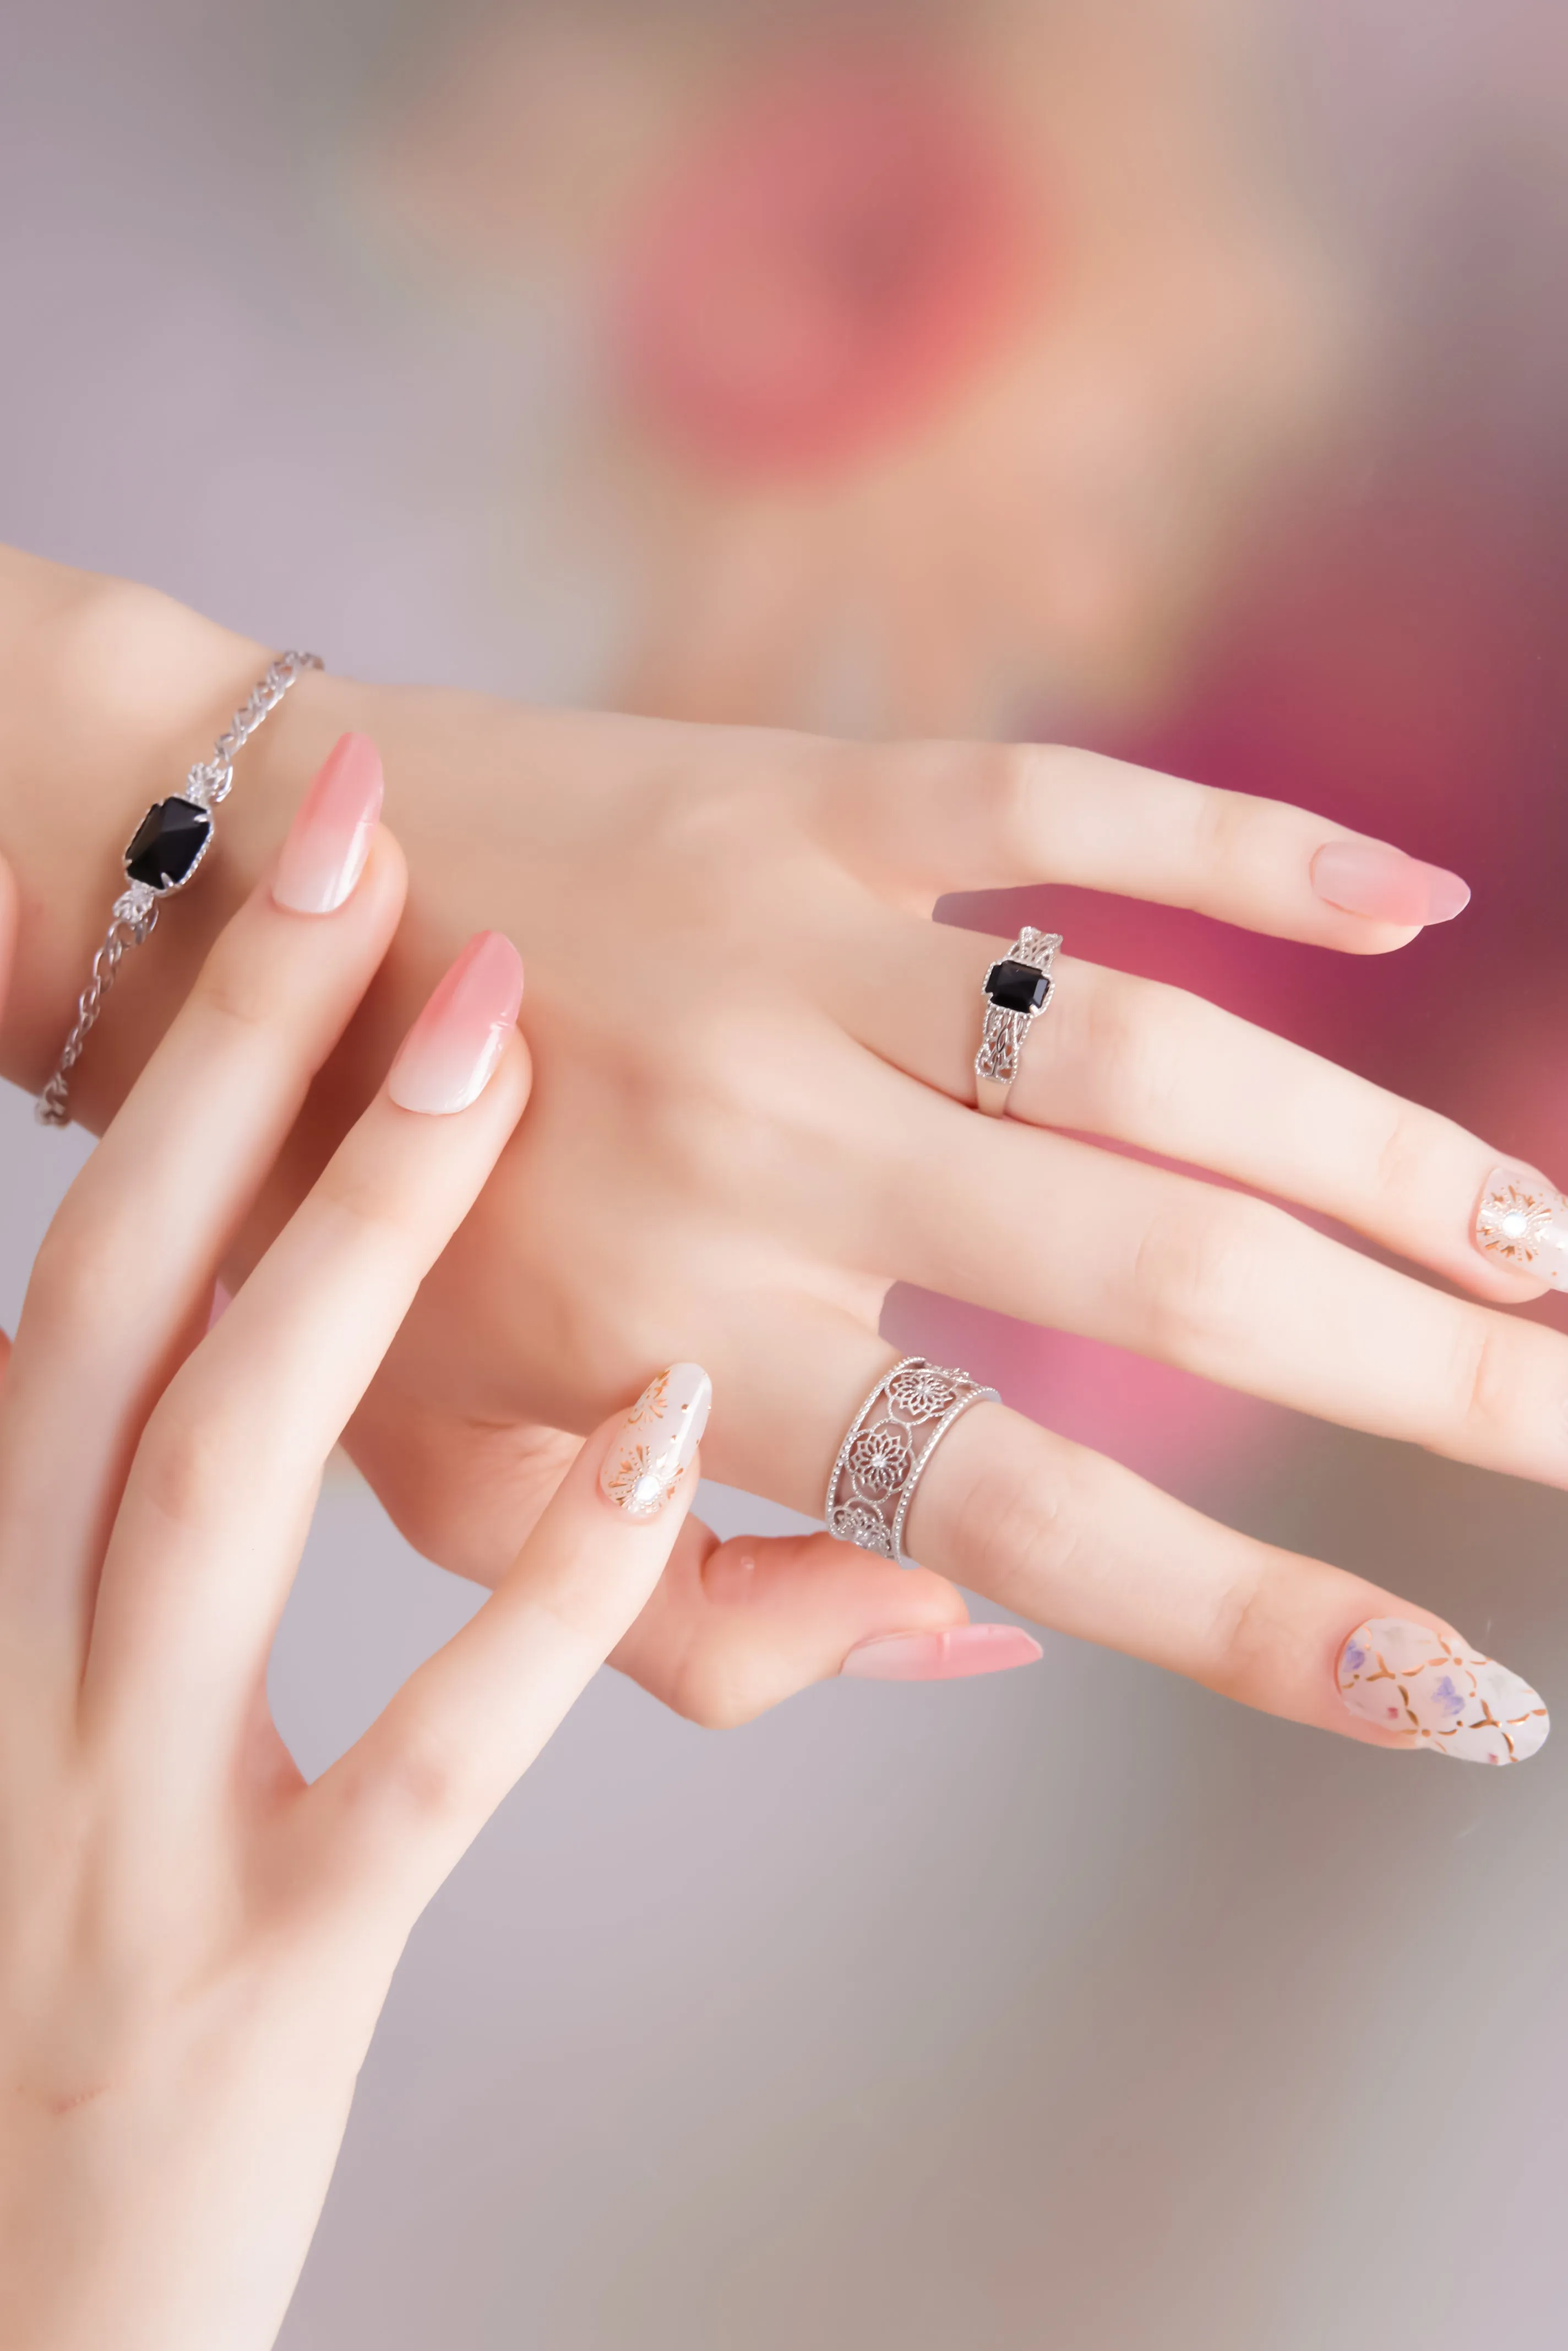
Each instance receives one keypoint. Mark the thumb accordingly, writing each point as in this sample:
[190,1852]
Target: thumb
[734,1628]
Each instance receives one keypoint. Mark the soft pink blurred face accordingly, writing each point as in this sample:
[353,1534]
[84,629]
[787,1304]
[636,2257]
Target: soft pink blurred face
[827,267]
[972,335]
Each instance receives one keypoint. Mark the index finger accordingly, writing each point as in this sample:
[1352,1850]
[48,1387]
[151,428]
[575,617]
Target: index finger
[927,818]
[411,1795]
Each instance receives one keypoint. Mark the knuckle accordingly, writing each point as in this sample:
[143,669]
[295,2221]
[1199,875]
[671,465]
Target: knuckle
[1013,782]
[232,987]
[1403,1156]
[1202,1277]
[1139,1046]
[1241,1634]
[1485,1382]
[79,1269]
[1227,828]
[187,1468]
[356,1189]
[426,1774]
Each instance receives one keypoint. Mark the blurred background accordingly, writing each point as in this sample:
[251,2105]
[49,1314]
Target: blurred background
[1183,377]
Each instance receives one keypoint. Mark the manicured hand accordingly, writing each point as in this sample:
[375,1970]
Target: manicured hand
[195,1943]
[754,1113]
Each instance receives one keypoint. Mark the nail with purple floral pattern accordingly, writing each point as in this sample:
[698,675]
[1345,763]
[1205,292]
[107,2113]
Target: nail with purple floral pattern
[1438,1693]
[1522,1223]
[655,1444]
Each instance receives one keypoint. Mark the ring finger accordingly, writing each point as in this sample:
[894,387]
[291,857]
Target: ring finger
[1076,1542]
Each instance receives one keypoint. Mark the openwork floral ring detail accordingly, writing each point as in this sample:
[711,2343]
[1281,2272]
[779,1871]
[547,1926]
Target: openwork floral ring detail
[1017,990]
[888,1445]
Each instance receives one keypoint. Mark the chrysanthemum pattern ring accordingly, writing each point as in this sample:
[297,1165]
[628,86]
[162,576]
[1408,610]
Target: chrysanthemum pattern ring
[1017,990]
[887,1447]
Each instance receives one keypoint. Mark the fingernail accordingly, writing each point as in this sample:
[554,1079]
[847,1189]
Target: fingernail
[1439,1694]
[656,1440]
[947,1656]
[1522,1221]
[1367,877]
[330,837]
[445,1060]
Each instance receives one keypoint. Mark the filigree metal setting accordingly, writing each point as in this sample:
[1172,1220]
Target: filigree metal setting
[887,1447]
[1011,1010]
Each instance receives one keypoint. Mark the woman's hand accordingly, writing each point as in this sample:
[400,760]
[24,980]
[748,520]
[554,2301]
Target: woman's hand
[754,1055]
[194,1944]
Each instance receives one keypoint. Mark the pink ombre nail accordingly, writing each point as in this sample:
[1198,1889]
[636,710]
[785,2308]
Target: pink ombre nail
[948,1656]
[329,839]
[445,1060]
[1367,877]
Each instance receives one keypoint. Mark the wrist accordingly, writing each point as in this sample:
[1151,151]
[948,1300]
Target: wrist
[108,691]
[170,2211]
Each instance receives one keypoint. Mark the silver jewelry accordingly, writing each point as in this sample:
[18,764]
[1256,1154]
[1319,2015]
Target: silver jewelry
[888,1445]
[163,854]
[1017,990]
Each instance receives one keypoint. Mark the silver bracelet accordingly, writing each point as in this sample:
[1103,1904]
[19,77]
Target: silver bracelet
[163,854]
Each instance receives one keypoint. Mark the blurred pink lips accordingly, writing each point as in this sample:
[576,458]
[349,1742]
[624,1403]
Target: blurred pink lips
[827,268]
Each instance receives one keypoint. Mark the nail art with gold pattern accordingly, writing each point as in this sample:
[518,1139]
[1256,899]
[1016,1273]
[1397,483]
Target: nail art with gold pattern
[655,1442]
[1439,1694]
[1522,1221]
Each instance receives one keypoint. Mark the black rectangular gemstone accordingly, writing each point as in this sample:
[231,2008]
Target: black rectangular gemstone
[1016,987]
[167,842]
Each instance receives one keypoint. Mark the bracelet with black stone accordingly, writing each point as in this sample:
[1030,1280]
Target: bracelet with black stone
[162,855]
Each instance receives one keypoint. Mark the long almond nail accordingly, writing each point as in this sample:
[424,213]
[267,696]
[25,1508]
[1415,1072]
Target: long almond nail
[1522,1221]
[447,1060]
[1367,877]
[1437,1693]
[656,1443]
[946,1656]
[330,837]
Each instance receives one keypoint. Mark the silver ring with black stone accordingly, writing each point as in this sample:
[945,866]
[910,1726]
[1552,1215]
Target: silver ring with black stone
[1017,990]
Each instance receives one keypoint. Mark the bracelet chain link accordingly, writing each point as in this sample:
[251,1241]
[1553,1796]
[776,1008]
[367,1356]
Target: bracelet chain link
[135,911]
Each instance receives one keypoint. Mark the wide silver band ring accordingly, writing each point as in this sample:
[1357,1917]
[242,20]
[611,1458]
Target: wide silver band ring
[887,1447]
[1017,990]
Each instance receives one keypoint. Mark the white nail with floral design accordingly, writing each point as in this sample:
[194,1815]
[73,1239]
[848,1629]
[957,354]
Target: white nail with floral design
[653,1447]
[1522,1222]
[1438,1693]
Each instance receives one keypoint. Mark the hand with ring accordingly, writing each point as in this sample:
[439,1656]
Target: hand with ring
[756,1109]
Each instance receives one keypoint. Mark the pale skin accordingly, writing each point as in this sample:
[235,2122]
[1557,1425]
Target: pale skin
[194,1944]
[752,1114]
